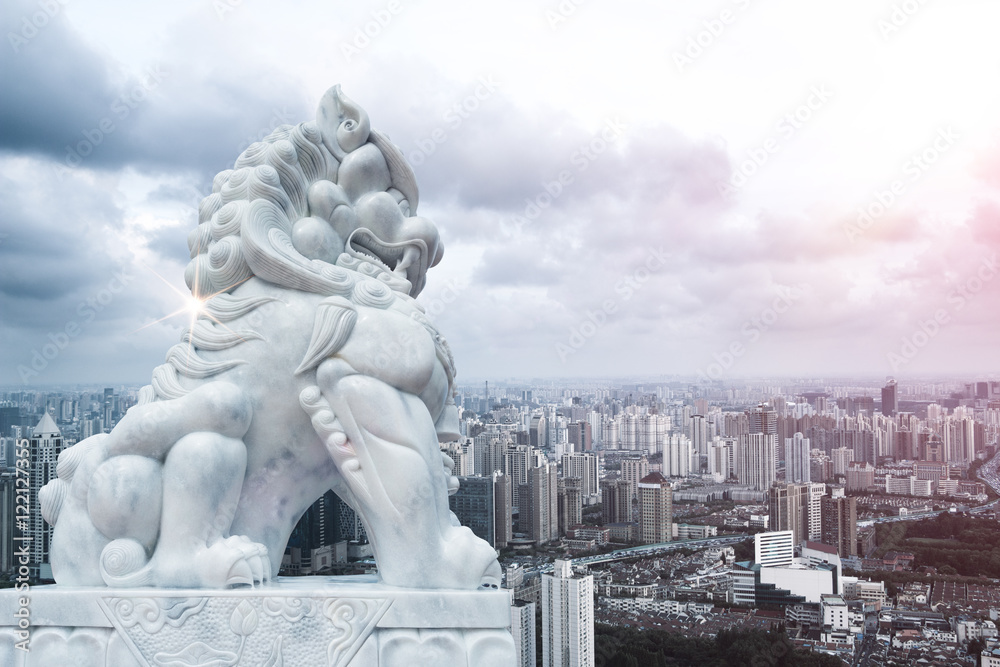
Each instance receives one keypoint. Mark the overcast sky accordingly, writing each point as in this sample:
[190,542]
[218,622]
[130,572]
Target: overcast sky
[715,157]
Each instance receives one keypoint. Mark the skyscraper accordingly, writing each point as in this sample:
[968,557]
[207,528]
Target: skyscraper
[764,419]
[518,461]
[502,509]
[655,509]
[475,505]
[615,501]
[570,503]
[797,459]
[677,456]
[585,467]
[840,524]
[45,446]
[634,469]
[699,439]
[890,400]
[580,436]
[8,483]
[755,460]
[817,490]
[490,449]
[841,457]
[522,626]
[721,456]
[538,514]
[567,618]
[310,546]
[788,508]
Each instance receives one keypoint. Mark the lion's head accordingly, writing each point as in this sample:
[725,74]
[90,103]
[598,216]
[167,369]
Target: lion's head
[310,207]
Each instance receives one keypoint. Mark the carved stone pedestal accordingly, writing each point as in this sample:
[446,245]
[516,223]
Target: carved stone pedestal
[294,622]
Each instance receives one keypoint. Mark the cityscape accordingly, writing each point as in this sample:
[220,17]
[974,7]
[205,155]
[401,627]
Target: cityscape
[557,334]
[847,521]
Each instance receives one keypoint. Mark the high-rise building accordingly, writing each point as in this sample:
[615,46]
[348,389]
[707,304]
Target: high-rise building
[890,399]
[840,524]
[721,457]
[774,548]
[502,509]
[475,506]
[797,459]
[616,505]
[518,460]
[860,476]
[788,509]
[522,626]
[570,503]
[655,509]
[490,449]
[584,466]
[349,525]
[310,546]
[580,436]
[44,447]
[567,618]
[538,514]
[699,439]
[9,416]
[763,419]
[841,458]
[677,454]
[756,460]
[539,432]
[817,490]
[8,530]
[634,469]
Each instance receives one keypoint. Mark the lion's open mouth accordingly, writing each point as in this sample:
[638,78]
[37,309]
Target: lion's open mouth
[406,260]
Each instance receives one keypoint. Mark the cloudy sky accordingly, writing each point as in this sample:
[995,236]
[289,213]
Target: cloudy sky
[747,187]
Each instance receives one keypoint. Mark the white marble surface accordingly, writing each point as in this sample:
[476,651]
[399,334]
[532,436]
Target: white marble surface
[333,621]
[310,367]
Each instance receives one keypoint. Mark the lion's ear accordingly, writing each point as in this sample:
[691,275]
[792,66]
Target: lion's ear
[344,124]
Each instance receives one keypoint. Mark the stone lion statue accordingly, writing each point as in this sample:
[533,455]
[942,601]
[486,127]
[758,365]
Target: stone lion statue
[310,367]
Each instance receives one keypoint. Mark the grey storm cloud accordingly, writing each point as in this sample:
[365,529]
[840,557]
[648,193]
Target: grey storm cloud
[54,243]
[65,100]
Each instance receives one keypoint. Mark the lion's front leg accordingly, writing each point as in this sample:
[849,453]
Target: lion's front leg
[385,444]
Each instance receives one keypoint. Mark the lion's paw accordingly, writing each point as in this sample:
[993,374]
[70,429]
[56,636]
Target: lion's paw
[227,563]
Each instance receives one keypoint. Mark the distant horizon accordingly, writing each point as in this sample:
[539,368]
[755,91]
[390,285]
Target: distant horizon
[622,379]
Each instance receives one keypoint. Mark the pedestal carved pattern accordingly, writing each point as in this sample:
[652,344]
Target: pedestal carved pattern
[292,623]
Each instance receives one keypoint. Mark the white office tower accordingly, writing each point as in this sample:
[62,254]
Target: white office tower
[567,618]
[797,459]
[699,437]
[583,466]
[816,492]
[522,626]
[774,549]
[720,457]
[677,456]
[755,460]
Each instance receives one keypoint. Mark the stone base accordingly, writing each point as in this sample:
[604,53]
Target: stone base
[293,622]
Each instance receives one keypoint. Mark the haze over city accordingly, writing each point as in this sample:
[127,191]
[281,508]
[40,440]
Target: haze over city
[718,191]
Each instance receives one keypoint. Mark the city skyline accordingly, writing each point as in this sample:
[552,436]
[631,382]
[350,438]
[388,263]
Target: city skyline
[685,199]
